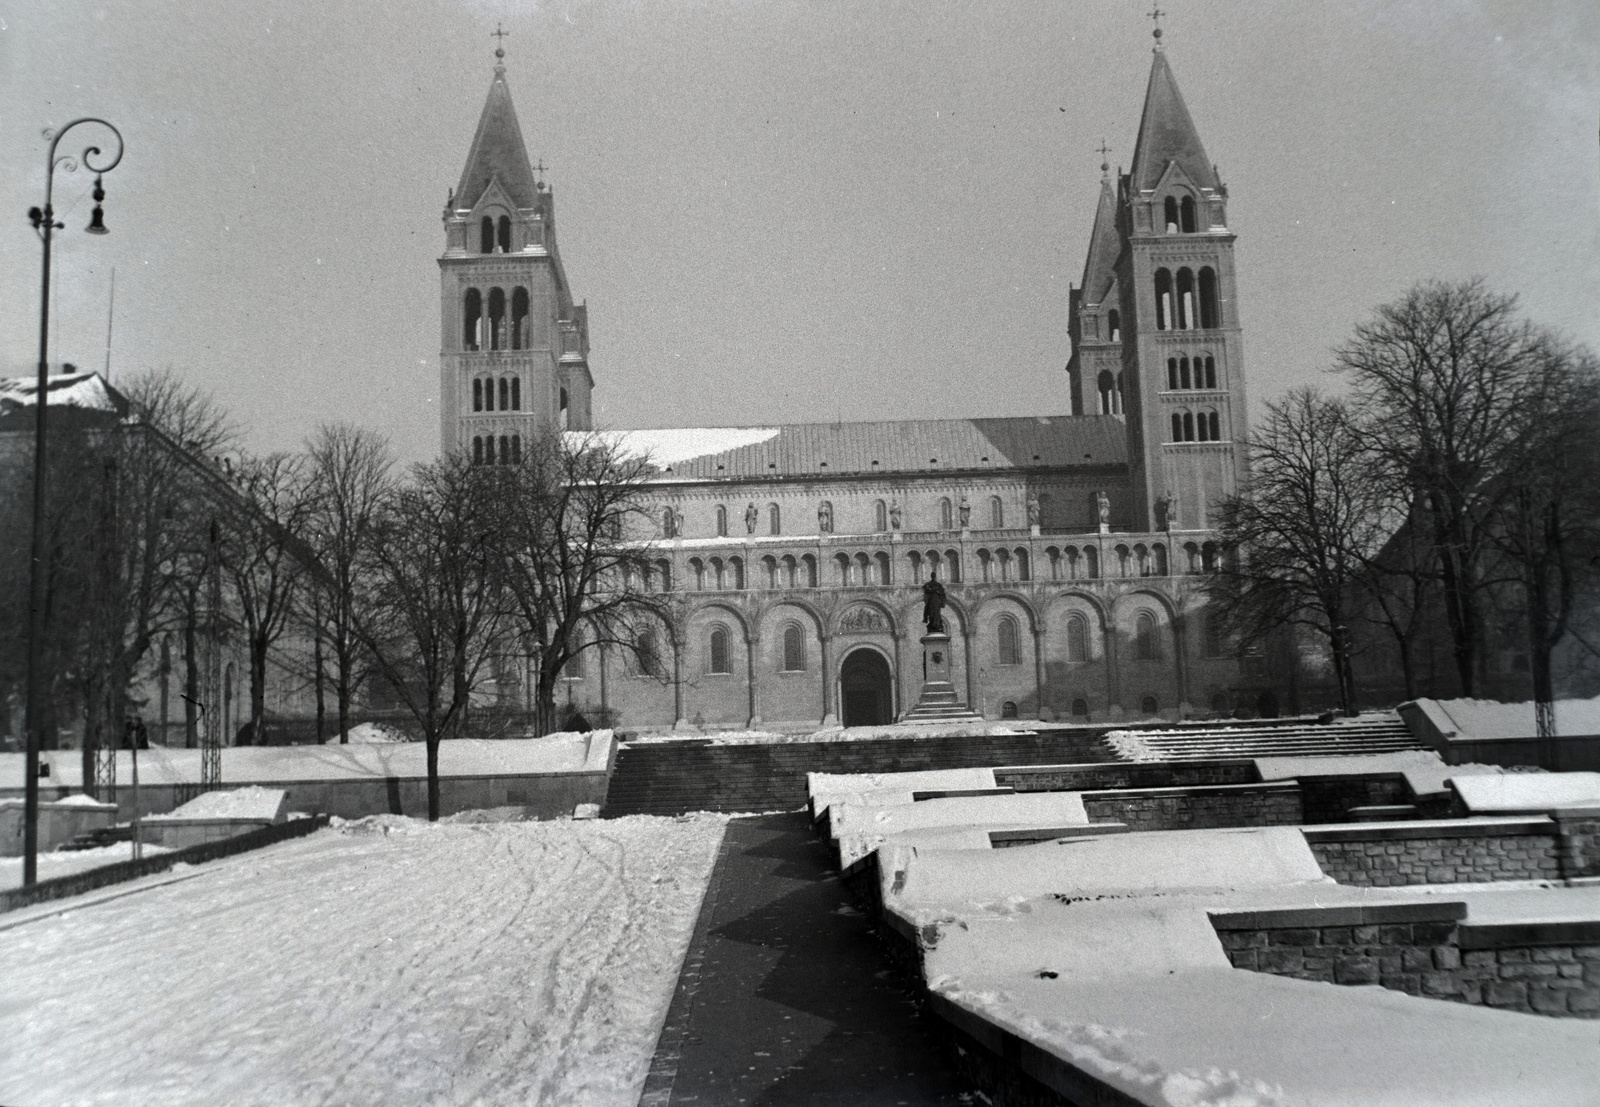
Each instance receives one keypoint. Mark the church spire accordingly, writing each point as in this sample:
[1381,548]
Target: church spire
[497,151]
[1167,133]
[1099,268]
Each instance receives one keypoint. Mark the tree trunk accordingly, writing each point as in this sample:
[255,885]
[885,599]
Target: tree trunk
[544,714]
[191,679]
[433,776]
[317,672]
[343,691]
[258,690]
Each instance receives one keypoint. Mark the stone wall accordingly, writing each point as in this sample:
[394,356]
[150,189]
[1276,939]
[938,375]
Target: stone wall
[1276,804]
[1433,853]
[1084,778]
[1425,950]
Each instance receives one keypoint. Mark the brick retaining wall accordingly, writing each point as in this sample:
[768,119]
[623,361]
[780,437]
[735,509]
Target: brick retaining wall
[1425,950]
[1276,804]
[1430,853]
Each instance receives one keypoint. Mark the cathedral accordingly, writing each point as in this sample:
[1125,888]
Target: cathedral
[1071,546]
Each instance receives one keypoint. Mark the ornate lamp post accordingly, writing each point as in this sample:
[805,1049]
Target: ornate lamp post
[44,221]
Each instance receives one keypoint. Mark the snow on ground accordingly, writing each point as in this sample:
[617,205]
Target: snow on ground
[236,803]
[1424,770]
[69,863]
[1522,792]
[833,734]
[554,753]
[1130,746]
[370,732]
[1488,719]
[384,961]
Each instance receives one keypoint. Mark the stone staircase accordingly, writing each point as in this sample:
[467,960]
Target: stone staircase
[1292,738]
[670,778]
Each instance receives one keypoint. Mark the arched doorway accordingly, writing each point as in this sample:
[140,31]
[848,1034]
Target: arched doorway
[866,689]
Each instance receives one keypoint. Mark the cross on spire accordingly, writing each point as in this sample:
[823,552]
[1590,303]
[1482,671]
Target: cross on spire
[1105,151]
[499,33]
[1155,14]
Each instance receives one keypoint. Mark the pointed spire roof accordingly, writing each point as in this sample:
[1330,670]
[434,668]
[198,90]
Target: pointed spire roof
[1167,134]
[1099,268]
[497,153]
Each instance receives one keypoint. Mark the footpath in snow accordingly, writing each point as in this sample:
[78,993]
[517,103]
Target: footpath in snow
[384,961]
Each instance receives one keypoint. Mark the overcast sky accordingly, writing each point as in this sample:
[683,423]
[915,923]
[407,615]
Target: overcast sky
[777,210]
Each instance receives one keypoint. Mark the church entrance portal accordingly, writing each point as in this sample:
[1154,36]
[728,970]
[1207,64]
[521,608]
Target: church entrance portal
[866,689]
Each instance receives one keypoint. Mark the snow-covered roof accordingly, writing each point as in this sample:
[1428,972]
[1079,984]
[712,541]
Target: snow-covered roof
[889,446]
[87,392]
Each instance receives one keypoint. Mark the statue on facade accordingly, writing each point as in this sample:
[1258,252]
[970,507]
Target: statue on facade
[894,514]
[965,511]
[1033,510]
[933,604]
[752,516]
[1169,509]
[825,518]
[1102,504]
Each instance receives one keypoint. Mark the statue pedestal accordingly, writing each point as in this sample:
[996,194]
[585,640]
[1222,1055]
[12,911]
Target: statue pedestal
[939,701]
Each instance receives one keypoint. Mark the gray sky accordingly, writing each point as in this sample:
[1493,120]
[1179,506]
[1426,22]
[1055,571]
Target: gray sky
[776,210]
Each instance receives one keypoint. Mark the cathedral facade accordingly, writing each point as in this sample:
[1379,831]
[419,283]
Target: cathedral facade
[1072,546]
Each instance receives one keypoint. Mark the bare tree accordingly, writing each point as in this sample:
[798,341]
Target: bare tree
[435,609]
[1440,378]
[576,570]
[1301,529]
[265,556]
[349,468]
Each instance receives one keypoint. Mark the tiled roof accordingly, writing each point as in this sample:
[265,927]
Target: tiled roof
[900,446]
[1167,134]
[497,153]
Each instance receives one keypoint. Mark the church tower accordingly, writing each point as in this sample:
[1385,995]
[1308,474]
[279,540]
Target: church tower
[514,348]
[1181,346]
[1094,321]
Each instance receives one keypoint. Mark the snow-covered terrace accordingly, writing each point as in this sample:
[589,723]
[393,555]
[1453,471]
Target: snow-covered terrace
[1098,955]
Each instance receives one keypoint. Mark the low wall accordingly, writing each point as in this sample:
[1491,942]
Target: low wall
[1572,753]
[1381,856]
[1274,804]
[1095,778]
[58,823]
[88,881]
[183,833]
[1425,950]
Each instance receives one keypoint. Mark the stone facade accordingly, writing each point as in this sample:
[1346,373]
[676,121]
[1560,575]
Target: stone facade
[1071,546]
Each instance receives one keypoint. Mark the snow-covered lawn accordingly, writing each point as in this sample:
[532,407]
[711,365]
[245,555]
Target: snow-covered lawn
[384,961]
[63,862]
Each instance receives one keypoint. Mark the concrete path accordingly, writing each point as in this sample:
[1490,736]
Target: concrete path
[785,997]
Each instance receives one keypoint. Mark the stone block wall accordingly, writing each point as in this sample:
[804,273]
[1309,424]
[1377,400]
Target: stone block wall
[1425,950]
[1197,808]
[1578,842]
[1328,799]
[1081,778]
[1464,853]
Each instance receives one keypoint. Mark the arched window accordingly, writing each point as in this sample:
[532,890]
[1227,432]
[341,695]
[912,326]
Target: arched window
[722,521]
[1141,559]
[1170,211]
[791,575]
[519,319]
[645,654]
[477,395]
[1149,706]
[1080,709]
[1024,571]
[488,449]
[1107,384]
[1215,425]
[1177,427]
[1077,638]
[505,393]
[497,319]
[736,572]
[664,569]
[883,568]
[1192,553]
[1160,552]
[1208,557]
[1186,220]
[1007,647]
[946,515]
[698,568]
[1116,397]
[573,669]
[1172,373]
[1188,426]
[1164,304]
[505,449]
[1209,316]
[486,236]
[718,659]
[774,519]
[504,237]
[1183,371]
[1114,325]
[880,516]
[1144,637]
[1201,428]
[1211,371]
[997,513]
[810,565]
[1186,305]
[477,450]
[516,449]
[669,523]
[863,569]
[564,417]
[843,562]
[516,394]
[1091,563]
[1124,561]
[952,567]
[794,649]
[472,320]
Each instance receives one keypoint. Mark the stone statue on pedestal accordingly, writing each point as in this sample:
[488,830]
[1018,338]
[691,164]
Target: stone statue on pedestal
[752,516]
[1102,504]
[825,518]
[894,515]
[933,602]
[966,513]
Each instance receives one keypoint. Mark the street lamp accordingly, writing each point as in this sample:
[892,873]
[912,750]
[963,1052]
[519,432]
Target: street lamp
[44,221]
